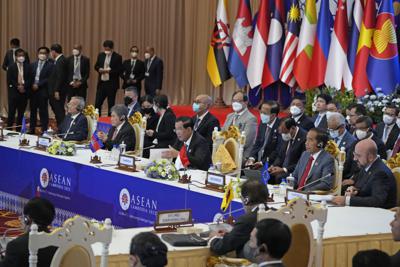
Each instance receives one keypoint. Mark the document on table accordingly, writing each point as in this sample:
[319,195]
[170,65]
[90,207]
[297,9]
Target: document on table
[321,198]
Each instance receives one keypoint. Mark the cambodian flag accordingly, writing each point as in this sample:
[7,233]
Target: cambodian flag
[383,62]
[242,38]
[95,142]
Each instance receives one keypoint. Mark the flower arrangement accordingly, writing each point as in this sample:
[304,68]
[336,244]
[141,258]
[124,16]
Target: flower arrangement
[91,112]
[375,104]
[233,131]
[332,148]
[136,118]
[393,162]
[62,148]
[162,169]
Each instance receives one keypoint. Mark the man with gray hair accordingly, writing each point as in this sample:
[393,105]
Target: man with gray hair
[337,131]
[131,100]
[75,125]
[121,130]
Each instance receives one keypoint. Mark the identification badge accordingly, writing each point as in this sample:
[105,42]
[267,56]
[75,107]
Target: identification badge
[147,74]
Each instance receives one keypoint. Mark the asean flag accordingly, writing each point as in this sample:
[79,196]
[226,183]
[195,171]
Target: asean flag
[383,63]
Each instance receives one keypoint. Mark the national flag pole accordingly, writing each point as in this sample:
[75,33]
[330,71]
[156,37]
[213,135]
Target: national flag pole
[219,101]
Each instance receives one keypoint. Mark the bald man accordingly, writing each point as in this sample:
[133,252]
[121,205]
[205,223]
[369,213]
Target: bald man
[153,77]
[375,185]
[204,121]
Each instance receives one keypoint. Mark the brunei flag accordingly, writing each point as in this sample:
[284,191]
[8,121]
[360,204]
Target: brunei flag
[228,197]
[217,59]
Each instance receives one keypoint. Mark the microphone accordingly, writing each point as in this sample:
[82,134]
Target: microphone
[152,146]
[323,177]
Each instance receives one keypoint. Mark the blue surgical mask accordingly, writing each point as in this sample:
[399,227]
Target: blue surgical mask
[196,107]
[265,118]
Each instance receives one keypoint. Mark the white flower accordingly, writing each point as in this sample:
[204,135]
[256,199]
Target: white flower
[371,109]
[376,102]
[373,97]
[70,149]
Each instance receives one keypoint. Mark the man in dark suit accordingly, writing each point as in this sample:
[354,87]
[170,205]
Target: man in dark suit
[108,65]
[154,74]
[121,130]
[395,226]
[297,112]
[316,167]
[387,130]
[375,185]
[19,83]
[268,138]
[293,145]
[10,58]
[337,131]
[75,124]
[270,240]
[58,84]
[37,211]
[253,193]
[39,95]
[355,112]
[131,100]
[320,119]
[78,73]
[133,71]
[189,150]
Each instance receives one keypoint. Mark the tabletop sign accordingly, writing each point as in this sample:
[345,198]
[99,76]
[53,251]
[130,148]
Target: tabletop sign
[215,181]
[170,220]
[43,143]
[292,194]
[126,163]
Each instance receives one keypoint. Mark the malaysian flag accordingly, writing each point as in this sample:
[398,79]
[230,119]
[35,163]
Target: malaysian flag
[290,47]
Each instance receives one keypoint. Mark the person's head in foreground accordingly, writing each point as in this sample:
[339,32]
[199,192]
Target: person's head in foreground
[272,240]
[253,193]
[147,250]
[365,153]
[371,258]
[395,225]
[38,211]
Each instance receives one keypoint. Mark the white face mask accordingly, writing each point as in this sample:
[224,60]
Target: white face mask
[236,106]
[75,52]
[398,122]
[21,59]
[147,55]
[388,119]
[107,52]
[265,118]
[134,54]
[295,110]
[334,133]
[286,137]
[348,118]
[42,57]
[361,134]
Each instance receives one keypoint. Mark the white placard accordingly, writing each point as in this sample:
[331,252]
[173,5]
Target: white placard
[156,153]
[215,179]
[293,194]
[127,161]
[43,141]
[174,217]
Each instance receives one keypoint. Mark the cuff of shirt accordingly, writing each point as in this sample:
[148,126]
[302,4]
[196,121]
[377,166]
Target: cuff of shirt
[285,170]
[212,238]
[347,201]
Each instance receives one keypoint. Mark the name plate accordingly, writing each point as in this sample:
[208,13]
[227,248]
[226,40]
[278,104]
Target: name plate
[126,163]
[170,220]
[43,143]
[215,181]
[292,194]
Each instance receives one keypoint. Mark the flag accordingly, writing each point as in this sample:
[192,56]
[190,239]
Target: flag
[256,69]
[276,39]
[396,8]
[360,82]
[217,59]
[305,47]
[290,47]
[242,38]
[337,69]
[265,174]
[228,197]
[357,16]
[95,142]
[383,62]
[321,46]
[23,128]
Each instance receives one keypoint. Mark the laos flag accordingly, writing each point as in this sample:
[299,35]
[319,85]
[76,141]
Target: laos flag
[242,38]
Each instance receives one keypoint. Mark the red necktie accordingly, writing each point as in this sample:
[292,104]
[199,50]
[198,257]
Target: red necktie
[183,156]
[396,148]
[305,173]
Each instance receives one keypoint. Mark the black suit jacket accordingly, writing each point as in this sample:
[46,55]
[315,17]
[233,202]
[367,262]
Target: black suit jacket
[323,124]
[115,66]
[376,188]
[166,135]
[136,108]
[206,127]
[151,124]
[272,144]
[85,70]
[17,253]
[198,154]
[12,79]
[126,134]
[138,72]
[78,131]
[44,75]
[394,133]
[395,259]
[9,59]
[288,158]
[305,122]
[58,78]
[155,75]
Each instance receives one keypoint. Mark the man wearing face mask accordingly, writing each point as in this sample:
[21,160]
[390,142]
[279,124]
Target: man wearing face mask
[131,100]
[154,72]
[293,145]
[297,112]
[337,131]
[10,58]
[19,83]
[204,121]
[78,73]
[243,119]
[320,119]
[133,71]
[268,138]
[108,65]
[387,130]
[39,97]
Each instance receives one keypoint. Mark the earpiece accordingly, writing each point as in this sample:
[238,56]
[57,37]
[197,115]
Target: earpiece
[246,200]
[122,118]
[320,145]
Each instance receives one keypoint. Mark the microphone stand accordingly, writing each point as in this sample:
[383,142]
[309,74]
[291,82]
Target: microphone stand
[306,185]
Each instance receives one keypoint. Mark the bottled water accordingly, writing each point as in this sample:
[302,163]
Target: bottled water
[282,187]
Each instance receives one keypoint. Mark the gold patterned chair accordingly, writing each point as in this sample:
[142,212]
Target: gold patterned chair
[396,173]
[91,123]
[298,214]
[138,123]
[74,242]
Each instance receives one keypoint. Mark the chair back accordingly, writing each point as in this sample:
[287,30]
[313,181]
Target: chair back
[74,240]
[91,123]
[139,125]
[396,173]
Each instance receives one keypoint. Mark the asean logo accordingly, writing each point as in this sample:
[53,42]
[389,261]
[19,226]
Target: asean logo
[124,199]
[384,39]
[44,177]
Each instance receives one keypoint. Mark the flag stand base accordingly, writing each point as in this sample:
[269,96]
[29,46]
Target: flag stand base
[95,160]
[219,102]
